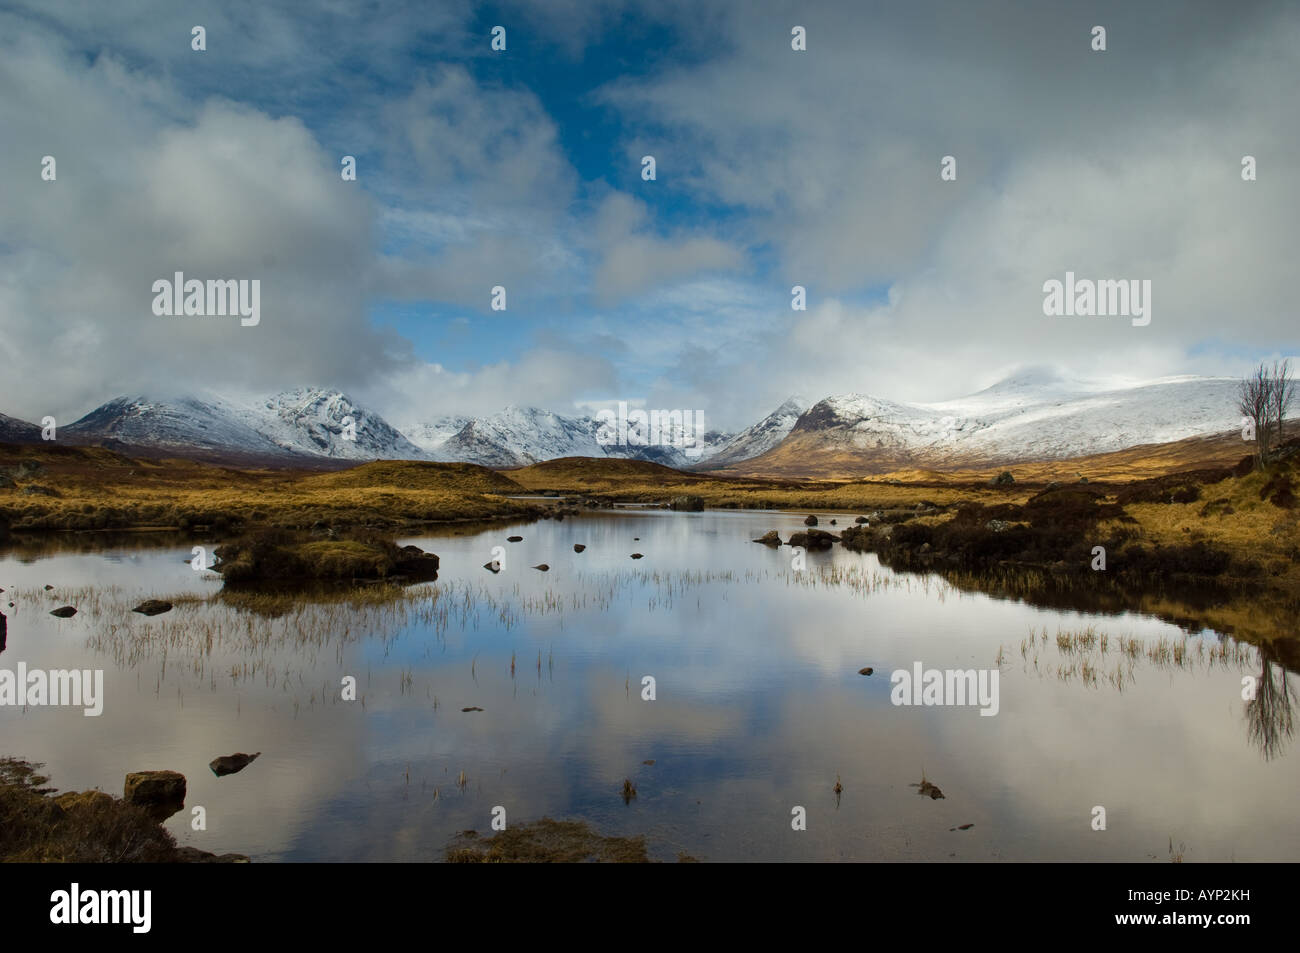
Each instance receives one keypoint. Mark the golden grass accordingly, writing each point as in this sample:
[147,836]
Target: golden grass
[99,489]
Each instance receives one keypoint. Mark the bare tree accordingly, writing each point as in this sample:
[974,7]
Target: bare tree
[1282,393]
[1255,400]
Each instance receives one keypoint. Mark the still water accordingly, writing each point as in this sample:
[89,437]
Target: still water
[759,708]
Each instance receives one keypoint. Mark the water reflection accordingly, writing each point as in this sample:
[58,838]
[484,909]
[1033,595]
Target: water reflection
[759,706]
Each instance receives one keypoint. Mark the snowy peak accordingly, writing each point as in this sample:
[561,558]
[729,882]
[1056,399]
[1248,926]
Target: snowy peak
[760,437]
[309,422]
[171,424]
[329,423]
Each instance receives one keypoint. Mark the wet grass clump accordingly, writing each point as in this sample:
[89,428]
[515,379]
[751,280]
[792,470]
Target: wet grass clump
[547,842]
[86,827]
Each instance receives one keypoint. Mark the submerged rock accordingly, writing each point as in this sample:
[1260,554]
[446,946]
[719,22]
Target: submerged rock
[926,789]
[153,607]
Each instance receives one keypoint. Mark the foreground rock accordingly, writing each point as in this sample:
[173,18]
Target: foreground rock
[232,763]
[160,793]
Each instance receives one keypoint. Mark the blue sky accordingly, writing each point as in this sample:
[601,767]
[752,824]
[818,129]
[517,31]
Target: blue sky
[775,167]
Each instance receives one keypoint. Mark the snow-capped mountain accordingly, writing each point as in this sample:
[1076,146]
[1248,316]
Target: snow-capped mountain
[180,425]
[13,430]
[429,435]
[759,438]
[1036,415]
[518,436]
[1033,415]
[304,423]
[328,423]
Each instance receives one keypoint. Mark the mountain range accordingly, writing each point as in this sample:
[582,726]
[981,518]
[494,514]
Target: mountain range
[1037,414]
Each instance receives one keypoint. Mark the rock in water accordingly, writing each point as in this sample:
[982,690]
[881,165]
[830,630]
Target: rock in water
[64,612]
[231,763]
[813,539]
[637,556]
[578,547]
[161,793]
[492,567]
[926,789]
[472,708]
[153,607]
[770,538]
[865,671]
[542,567]
[514,539]
[810,521]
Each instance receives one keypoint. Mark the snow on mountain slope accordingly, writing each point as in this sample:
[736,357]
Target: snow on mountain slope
[429,435]
[328,423]
[518,436]
[309,422]
[759,438]
[173,424]
[1033,416]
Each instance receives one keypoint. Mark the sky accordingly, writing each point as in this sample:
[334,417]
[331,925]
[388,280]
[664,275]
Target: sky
[522,168]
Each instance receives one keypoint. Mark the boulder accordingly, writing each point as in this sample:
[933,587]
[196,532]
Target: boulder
[153,607]
[578,547]
[770,538]
[161,793]
[492,566]
[810,521]
[860,519]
